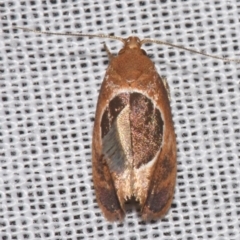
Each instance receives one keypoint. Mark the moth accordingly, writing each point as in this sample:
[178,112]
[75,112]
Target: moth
[134,143]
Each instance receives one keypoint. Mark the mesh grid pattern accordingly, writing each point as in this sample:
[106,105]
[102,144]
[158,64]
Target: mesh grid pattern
[48,93]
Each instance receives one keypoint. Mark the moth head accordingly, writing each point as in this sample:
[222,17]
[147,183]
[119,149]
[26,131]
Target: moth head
[132,42]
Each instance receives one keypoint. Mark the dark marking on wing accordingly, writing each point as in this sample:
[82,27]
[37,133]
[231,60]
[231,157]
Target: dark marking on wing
[157,201]
[109,199]
[146,129]
[166,168]
[144,137]
[106,192]
[116,105]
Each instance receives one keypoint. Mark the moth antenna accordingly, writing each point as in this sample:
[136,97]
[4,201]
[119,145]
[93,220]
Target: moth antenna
[124,41]
[189,50]
[70,34]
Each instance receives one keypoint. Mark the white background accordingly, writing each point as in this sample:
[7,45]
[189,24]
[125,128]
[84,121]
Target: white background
[48,93]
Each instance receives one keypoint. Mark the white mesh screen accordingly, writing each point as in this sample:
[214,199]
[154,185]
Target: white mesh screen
[48,93]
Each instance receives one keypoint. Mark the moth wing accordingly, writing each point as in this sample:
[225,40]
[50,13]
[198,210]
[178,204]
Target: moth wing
[105,191]
[162,185]
[105,148]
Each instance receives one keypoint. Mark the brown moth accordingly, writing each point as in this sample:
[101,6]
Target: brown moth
[134,144]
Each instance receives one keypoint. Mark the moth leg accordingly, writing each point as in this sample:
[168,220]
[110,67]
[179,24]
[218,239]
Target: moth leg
[165,83]
[110,56]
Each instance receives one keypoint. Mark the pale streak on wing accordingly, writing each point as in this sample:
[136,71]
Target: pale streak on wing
[116,143]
